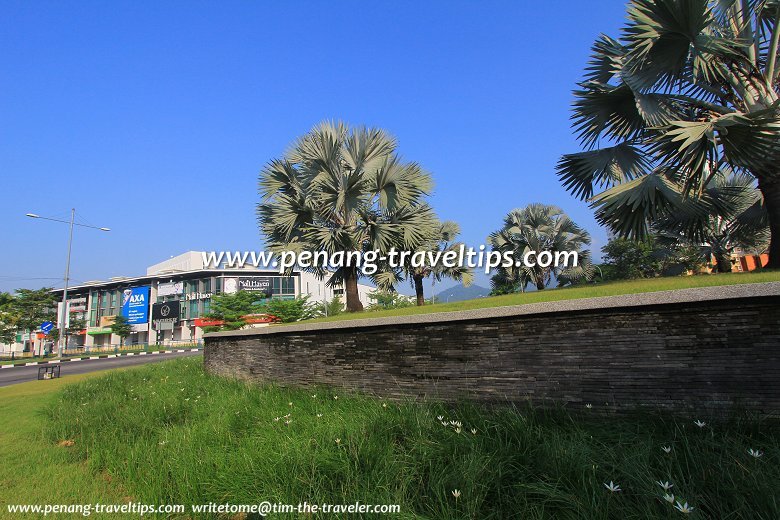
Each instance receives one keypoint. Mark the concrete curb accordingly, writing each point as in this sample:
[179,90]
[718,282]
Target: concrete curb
[104,356]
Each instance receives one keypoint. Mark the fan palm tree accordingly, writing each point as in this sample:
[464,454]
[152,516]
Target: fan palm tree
[539,227]
[691,86]
[729,215]
[426,261]
[342,189]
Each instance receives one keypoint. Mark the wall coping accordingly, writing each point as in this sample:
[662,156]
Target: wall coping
[677,296]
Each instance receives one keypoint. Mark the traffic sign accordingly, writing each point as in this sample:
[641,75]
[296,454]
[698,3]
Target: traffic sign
[46,327]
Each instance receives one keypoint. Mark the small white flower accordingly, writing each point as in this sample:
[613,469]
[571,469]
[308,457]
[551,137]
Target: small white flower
[700,424]
[286,416]
[289,404]
[319,415]
[384,405]
[665,485]
[338,442]
[314,396]
[276,419]
[612,487]
[669,498]
[457,430]
[186,399]
[456,493]
[755,453]
[162,443]
[588,406]
[440,417]
[667,449]
[336,397]
[684,508]
[445,423]
[287,422]
[473,431]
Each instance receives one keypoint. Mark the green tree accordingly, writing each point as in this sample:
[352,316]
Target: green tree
[8,318]
[320,309]
[230,308]
[628,259]
[287,310]
[343,190]
[537,228]
[386,299]
[33,307]
[121,328]
[691,86]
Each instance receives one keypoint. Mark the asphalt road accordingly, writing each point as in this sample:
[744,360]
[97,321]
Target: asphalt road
[12,376]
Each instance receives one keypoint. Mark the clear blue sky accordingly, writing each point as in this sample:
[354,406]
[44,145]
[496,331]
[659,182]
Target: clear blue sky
[154,118]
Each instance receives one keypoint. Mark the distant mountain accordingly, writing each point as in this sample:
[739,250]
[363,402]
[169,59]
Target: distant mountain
[459,293]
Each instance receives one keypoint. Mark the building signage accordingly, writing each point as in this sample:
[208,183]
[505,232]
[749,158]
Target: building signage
[135,305]
[167,289]
[197,296]
[107,321]
[255,283]
[96,331]
[77,304]
[167,312]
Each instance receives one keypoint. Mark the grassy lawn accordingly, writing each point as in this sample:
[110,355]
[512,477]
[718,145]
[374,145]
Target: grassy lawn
[34,469]
[573,293]
[168,433]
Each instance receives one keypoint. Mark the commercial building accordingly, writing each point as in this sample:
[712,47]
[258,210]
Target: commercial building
[166,305]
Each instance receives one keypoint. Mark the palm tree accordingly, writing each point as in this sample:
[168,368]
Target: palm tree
[342,189]
[538,228]
[728,216]
[690,87]
[427,261]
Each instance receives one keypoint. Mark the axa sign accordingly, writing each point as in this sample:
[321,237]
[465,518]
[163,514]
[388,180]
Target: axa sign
[135,305]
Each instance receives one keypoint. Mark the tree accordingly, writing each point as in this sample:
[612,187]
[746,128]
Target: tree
[537,228]
[121,328]
[8,318]
[287,310]
[320,309]
[691,87]
[343,190]
[426,261]
[727,217]
[387,299]
[629,259]
[230,309]
[33,307]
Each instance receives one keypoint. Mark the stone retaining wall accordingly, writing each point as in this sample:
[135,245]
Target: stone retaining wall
[714,348]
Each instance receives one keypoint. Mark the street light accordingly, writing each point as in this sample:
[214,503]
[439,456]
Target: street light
[62,320]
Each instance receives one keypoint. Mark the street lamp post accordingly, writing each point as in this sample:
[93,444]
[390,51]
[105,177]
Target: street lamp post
[62,319]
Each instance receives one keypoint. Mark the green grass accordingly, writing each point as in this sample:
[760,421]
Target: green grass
[169,433]
[573,293]
[33,469]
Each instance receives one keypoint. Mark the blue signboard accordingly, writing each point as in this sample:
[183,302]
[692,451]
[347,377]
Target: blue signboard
[46,327]
[135,305]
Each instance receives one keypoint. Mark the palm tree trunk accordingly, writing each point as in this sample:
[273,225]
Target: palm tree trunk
[418,289]
[351,291]
[723,262]
[771,192]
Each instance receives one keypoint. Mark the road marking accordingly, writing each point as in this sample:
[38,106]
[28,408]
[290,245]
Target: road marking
[6,366]
[142,353]
[181,351]
[30,364]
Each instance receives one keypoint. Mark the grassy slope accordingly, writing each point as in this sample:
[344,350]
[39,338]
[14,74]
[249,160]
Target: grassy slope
[33,469]
[572,293]
[172,434]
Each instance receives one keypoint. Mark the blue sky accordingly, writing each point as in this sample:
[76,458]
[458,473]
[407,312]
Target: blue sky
[154,118]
